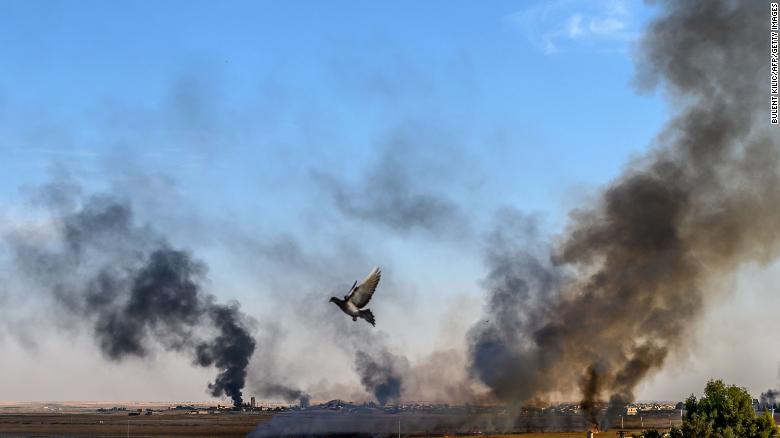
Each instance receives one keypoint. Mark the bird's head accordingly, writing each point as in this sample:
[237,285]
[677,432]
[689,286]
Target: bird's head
[334,300]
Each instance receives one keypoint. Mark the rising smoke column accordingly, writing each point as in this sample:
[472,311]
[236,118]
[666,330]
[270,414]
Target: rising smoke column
[286,392]
[136,291]
[266,381]
[383,371]
[380,374]
[604,307]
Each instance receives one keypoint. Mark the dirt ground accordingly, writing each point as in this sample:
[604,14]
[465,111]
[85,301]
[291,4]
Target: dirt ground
[181,424]
[544,435]
[121,425]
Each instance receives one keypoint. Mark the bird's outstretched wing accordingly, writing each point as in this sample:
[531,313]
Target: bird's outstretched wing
[361,295]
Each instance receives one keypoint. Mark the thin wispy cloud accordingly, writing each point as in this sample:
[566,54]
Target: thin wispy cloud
[556,26]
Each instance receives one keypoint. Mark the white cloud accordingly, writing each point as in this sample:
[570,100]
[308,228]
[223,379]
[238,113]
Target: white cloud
[606,26]
[557,25]
[574,28]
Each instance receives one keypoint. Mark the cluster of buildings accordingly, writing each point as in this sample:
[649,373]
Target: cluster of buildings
[112,409]
[637,408]
[341,405]
[765,405]
[630,409]
[130,412]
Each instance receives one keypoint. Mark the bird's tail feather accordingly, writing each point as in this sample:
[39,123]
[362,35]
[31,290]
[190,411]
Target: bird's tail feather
[368,316]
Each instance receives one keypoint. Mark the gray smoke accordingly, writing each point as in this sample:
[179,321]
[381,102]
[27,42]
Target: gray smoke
[382,371]
[268,380]
[344,419]
[392,192]
[135,290]
[603,308]
[381,374]
[285,392]
[770,398]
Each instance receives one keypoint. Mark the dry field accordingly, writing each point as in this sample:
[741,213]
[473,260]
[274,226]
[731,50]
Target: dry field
[88,423]
[607,434]
[121,425]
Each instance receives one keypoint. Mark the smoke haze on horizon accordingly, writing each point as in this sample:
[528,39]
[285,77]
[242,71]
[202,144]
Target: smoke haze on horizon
[435,169]
[631,275]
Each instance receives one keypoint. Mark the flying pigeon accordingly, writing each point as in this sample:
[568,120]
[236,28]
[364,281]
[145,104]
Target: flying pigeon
[358,296]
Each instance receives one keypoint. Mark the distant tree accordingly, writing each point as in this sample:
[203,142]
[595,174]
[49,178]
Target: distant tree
[725,411]
[766,427]
[652,433]
[675,432]
[696,425]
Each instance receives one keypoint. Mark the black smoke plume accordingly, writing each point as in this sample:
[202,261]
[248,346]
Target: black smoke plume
[590,388]
[286,392]
[601,310]
[383,371]
[379,375]
[137,292]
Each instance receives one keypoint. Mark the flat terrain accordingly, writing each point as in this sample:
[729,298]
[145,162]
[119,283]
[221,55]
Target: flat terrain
[179,423]
[463,422]
[542,435]
[121,425]
[176,423]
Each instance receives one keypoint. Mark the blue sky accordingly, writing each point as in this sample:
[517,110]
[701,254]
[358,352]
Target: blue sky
[249,116]
[230,100]
[234,111]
